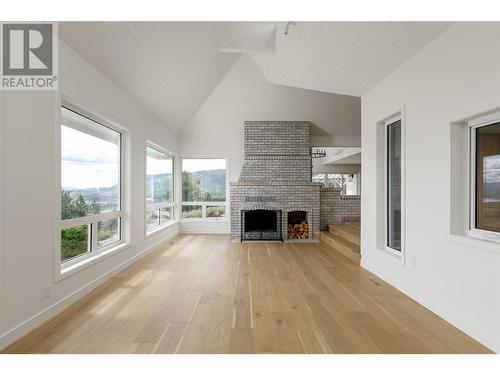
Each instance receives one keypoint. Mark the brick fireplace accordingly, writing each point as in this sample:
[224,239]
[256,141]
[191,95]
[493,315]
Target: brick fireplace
[274,190]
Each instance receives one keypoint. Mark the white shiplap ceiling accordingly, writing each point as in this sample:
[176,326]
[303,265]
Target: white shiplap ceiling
[343,57]
[173,67]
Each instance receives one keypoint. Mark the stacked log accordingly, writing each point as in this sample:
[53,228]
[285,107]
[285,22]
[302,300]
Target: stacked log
[298,231]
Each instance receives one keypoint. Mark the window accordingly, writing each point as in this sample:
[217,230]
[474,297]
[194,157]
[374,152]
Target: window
[91,208]
[204,188]
[485,184]
[346,181]
[393,191]
[159,189]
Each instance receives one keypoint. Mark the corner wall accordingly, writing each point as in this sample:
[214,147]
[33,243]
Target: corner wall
[29,192]
[455,76]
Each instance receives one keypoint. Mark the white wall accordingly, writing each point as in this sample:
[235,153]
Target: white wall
[337,168]
[29,198]
[245,94]
[455,76]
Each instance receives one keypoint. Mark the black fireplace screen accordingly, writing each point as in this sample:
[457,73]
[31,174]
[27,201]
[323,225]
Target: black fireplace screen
[261,225]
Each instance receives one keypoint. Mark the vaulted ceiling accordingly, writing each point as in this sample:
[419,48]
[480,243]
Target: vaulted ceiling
[170,67]
[173,67]
[343,57]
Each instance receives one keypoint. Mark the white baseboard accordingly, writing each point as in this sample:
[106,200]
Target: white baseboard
[203,231]
[38,319]
[205,227]
[437,308]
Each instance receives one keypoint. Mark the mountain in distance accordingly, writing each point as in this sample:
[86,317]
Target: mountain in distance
[212,181]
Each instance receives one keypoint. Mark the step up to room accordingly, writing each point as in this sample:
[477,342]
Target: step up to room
[343,238]
[350,232]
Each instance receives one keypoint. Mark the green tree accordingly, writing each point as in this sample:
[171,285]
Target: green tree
[80,207]
[190,187]
[66,205]
[94,208]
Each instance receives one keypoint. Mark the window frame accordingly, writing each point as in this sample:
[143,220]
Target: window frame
[204,205]
[472,127]
[159,205]
[2,204]
[386,123]
[70,266]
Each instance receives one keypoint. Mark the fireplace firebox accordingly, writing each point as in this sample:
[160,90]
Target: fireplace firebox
[261,225]
[298,227]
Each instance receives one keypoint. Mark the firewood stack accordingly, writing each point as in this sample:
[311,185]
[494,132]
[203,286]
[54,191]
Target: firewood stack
[298,231]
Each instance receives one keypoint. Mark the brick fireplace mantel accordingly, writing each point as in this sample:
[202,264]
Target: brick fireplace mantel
[276,175]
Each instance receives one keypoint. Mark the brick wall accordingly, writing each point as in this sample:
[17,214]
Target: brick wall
[277,137]
[337,208]
[276,174]
[276,168]
[277,151]
[297,196]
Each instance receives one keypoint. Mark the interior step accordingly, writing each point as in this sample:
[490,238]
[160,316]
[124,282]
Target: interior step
[349,232]
[341,245]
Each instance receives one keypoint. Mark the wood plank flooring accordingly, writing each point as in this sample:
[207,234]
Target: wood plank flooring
[204,294]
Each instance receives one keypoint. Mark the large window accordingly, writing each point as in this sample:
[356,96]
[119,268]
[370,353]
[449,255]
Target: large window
[91,209]
[346,181]
[159,189]
[485,199]
[393,191]
[203,188]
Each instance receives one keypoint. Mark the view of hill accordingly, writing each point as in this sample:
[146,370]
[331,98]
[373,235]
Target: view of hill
[212,181]
[158,187]
[106,197]
[203,186]
[199,185]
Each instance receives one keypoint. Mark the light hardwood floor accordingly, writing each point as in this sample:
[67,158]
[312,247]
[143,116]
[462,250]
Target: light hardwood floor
[204,294]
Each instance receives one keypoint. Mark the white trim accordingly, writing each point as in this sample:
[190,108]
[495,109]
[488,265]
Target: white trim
[472,126]
[38,319]
[3,98]
[204,205]
[62,269]
[459,321]
[161,228]
[85,262]
[91,219]
[399,116]
[159,205]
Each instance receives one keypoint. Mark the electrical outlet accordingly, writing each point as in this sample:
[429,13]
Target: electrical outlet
[46,292]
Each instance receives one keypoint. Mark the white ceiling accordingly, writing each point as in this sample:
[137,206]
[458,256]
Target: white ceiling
[173,67]
[338,155]
[343,57]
